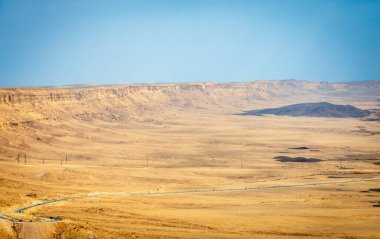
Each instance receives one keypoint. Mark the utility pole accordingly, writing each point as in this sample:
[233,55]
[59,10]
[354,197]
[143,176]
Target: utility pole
[25,159]
[18,158]
[147,160]
[43,160]
[66,158]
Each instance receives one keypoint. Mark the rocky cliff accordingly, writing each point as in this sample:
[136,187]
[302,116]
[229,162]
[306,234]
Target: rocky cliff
[255,89]
[80,93]
[25,106]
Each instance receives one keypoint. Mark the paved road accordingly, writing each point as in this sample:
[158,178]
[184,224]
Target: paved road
[39,219]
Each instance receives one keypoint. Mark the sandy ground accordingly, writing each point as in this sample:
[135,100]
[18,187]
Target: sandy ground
[193,149]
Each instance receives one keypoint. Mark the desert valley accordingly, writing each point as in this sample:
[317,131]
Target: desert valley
[188,160]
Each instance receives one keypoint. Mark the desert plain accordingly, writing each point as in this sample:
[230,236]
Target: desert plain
[180,161]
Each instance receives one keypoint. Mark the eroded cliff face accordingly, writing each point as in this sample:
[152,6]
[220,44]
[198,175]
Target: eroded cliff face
[56,94]
[28,106]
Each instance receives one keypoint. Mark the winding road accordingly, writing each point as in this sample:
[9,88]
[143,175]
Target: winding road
[40,219]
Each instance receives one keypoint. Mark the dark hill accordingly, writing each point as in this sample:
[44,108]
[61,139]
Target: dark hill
[321,109]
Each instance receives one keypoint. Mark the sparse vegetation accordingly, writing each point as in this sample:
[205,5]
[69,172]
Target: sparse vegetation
[221,167]
[296,159]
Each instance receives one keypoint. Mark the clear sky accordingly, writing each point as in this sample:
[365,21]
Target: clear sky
[60,42]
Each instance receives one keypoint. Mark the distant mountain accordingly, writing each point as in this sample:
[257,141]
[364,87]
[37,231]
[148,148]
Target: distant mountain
[320,109]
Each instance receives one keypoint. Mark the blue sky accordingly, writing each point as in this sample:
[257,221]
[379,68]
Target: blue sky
[106,42]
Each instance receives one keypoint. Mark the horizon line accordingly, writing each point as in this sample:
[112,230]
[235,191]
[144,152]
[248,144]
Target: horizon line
[178,83]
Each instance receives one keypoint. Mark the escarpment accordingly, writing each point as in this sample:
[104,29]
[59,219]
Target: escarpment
[29,106]
[254,89]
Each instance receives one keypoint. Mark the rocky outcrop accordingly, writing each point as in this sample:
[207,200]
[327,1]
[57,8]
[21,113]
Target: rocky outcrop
[320,109]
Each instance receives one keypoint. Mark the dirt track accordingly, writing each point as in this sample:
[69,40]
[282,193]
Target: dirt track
[41,219]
